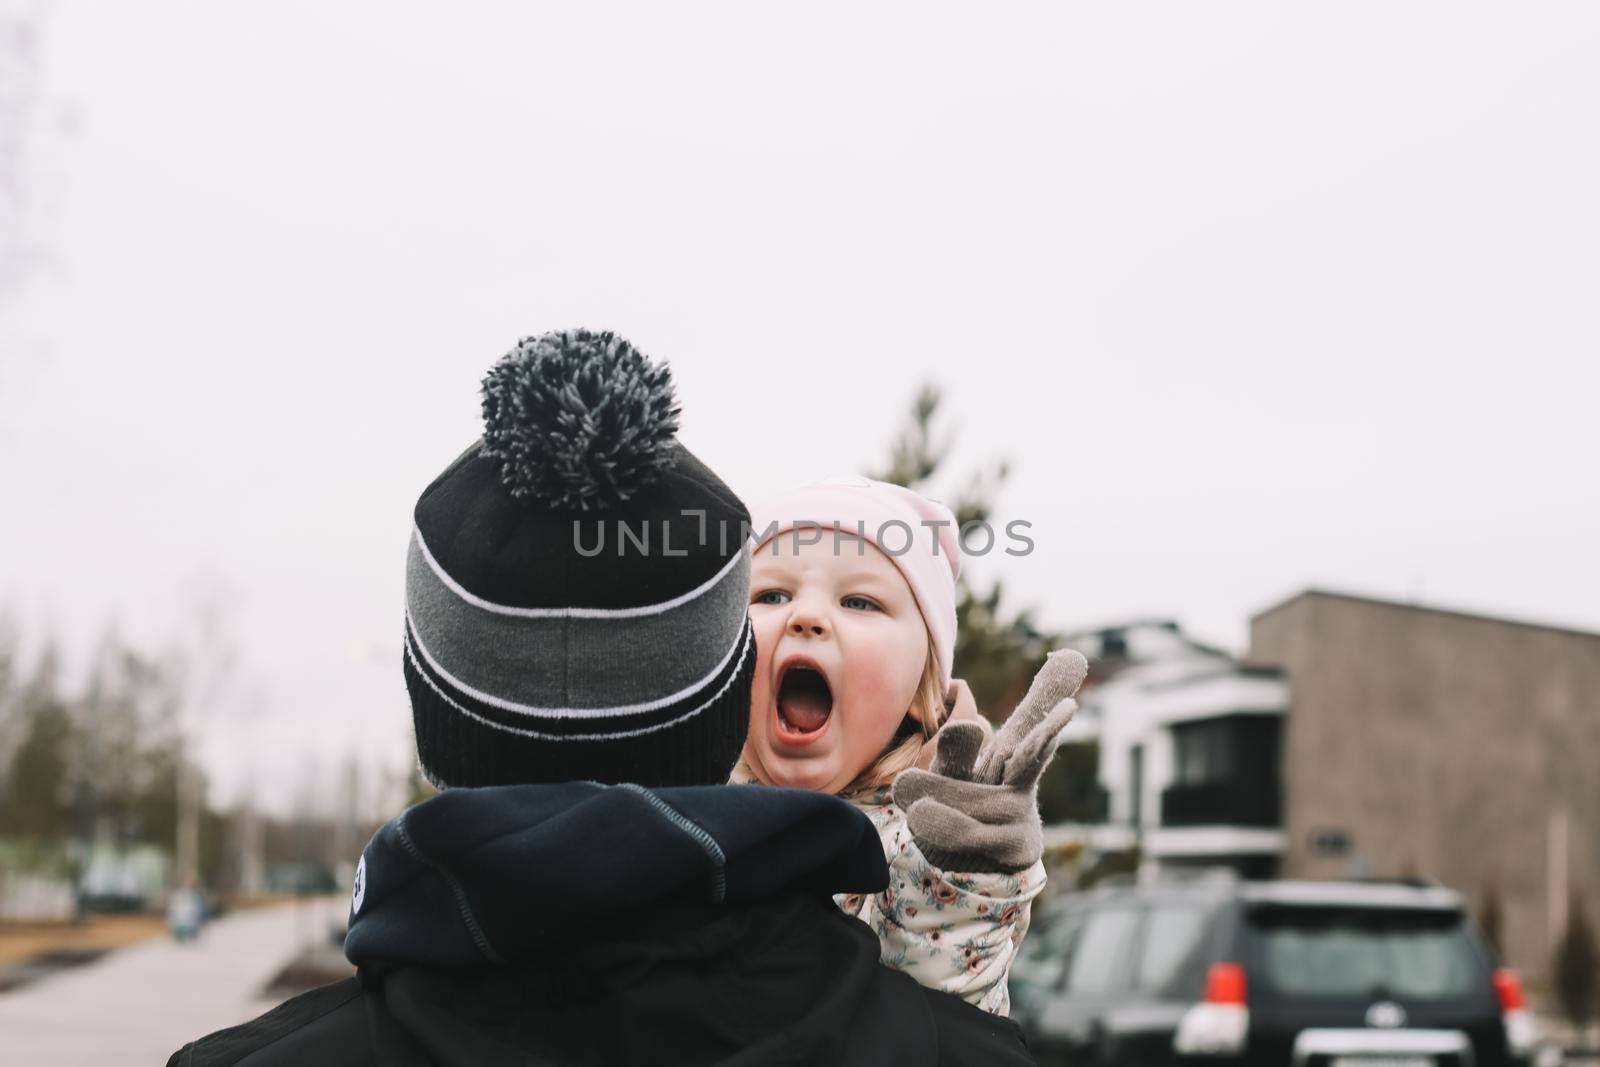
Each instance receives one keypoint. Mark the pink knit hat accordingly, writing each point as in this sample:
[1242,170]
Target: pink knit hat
[891,517]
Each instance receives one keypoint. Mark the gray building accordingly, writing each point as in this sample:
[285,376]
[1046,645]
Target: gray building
[1449,746]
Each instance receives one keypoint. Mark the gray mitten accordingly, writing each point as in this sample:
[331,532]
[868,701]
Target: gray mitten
[976,810]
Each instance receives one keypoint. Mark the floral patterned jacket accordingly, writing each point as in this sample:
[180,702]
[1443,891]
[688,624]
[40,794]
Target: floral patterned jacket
[954,932]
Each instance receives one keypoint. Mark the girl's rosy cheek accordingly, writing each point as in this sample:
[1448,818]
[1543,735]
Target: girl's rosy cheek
[864,671]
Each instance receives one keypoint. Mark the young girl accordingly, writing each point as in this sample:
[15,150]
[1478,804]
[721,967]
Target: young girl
[853,602]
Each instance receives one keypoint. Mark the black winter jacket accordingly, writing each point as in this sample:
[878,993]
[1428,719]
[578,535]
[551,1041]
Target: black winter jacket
[588,924]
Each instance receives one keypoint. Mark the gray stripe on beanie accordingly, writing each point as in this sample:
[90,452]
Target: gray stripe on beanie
[554,661]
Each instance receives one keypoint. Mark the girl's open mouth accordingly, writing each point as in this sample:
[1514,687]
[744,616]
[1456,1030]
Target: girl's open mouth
[804,704]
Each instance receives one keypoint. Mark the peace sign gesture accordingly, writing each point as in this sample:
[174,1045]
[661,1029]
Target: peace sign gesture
[975,809]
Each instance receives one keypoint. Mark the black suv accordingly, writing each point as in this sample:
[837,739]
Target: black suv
[1302,974]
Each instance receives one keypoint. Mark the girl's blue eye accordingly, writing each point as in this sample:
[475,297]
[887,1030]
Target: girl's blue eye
[761,598]
[866,605]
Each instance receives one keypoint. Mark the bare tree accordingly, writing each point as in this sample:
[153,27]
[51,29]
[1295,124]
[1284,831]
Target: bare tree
[19,106]
[127,723]
[207,660]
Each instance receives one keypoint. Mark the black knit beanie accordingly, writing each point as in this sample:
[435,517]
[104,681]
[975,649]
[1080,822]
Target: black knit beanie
[577,585]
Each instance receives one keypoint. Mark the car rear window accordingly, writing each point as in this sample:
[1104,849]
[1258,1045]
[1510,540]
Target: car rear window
[1100,950]
[1171,933]
[1365,952]
[1041,962]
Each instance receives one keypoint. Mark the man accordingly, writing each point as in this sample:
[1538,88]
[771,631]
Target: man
[585,890]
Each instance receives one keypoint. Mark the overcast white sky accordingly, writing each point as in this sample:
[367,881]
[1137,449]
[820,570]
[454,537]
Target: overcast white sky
[1256,297]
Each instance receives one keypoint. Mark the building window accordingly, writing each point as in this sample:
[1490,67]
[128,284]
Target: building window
[1225,772]
[1204,751]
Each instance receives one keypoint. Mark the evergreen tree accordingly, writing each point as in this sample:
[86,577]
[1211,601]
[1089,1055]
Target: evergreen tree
[998,648]
[34,801]
[1577,966]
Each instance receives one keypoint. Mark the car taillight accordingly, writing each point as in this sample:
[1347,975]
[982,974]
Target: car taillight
[1225,984]
[1514,1013]
[1220,1024]
[1509,990]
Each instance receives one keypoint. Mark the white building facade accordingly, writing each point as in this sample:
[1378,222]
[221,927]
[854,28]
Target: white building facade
[1188,751]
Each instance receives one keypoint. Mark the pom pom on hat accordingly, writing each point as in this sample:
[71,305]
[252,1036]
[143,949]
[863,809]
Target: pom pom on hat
[529,658]
[578,419]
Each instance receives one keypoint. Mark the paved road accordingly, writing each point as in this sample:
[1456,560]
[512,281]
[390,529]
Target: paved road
[140,1004]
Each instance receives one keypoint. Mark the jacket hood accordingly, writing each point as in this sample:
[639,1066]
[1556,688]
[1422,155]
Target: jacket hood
[492,875]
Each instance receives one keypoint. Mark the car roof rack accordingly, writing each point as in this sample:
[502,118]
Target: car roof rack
[1170,878]
[1412,880]
[1351,892]
[1191,875]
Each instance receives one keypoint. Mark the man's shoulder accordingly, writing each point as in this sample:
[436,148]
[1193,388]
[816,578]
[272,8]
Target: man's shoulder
[322,1025]
[968,1034]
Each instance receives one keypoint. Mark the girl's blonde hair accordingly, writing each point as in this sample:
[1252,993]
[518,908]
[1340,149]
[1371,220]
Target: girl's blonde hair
[903,748]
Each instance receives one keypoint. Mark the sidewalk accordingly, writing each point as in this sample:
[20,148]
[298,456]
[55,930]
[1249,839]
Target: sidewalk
[141,1004]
